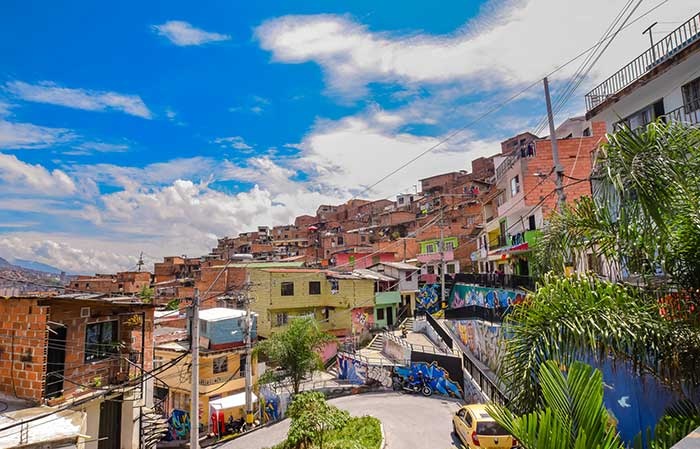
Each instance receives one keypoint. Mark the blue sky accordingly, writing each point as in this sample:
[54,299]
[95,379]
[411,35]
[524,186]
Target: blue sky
[159,126]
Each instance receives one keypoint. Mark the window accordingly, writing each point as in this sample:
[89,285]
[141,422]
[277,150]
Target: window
[531,223]
[314,288]
[326,313]
[341,241]
[409,276]
[363,238]
[335,287]
[287,289]
[430,248]
[220,364]
[449,246]
[514,186]
[400,200]
[470,220]
[468,419]
[241,369]
[431,269]
[281,318]
[100,340]
[380,314]
[691,96]
[451,268]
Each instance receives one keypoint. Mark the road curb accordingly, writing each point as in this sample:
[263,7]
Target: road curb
[382,445]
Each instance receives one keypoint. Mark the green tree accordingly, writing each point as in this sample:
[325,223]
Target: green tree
[572,414]
[146,294]
[295,351]
[573,318]
[644,214]
[311,418]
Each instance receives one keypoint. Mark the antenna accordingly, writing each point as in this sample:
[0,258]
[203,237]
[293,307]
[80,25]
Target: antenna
[140,263]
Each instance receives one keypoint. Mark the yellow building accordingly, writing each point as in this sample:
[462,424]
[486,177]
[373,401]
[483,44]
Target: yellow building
[330,297]
[221,365]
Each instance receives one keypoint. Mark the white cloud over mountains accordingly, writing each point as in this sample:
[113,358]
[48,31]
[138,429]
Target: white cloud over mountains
[184,34]
[88,100]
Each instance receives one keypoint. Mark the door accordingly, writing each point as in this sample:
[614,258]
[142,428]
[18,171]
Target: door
[389,316]
[110,424]
[55,361]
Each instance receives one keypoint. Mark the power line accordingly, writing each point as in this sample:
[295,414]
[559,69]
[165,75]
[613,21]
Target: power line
[495,108]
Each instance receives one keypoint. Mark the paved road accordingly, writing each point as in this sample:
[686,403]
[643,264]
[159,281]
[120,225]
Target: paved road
[410,421]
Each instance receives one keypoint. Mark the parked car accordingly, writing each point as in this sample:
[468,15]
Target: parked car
[477,429]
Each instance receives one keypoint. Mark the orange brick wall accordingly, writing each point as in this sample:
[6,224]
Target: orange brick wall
[22,333]
[575,157]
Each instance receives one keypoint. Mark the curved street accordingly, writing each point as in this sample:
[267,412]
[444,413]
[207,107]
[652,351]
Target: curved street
[410,421]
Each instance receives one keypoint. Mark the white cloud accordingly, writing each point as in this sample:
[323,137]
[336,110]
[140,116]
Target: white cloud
[17,175]
[487,53]
[85,256]
[235,142]
[184,34]
[351,154]
[159,173]
[97,147]
[89,100]
[27,135]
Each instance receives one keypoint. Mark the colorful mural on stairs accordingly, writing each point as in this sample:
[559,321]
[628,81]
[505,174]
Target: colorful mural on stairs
[178,426]
[358,372]
[428,298]
[481,338]
[463,295]
[436,377]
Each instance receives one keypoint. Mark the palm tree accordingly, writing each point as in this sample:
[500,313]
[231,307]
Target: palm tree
[574,318]
[572,414]
[644,213]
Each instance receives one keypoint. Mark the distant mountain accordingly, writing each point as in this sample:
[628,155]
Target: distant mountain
[4,263]
[36,266]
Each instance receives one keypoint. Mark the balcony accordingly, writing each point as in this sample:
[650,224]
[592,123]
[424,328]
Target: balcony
[435,257]
[669,46]
[683,115]
[493,280]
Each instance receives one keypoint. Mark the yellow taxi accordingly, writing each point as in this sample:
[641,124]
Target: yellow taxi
[477,429]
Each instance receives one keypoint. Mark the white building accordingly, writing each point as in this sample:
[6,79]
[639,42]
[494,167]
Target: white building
[664,81]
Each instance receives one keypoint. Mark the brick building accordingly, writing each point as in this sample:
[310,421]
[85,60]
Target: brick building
[127,282]
[83,352]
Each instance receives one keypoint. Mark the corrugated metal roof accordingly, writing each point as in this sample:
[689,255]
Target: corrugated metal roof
[262,265]
[398,265]
[220,313]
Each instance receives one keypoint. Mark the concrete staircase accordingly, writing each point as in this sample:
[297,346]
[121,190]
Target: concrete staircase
[377,343]
[408,322]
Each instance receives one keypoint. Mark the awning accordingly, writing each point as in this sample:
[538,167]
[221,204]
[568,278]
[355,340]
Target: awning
[515,249]
[233,401]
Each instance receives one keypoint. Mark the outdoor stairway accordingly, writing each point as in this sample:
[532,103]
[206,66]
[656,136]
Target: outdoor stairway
[377,343]
[408,322]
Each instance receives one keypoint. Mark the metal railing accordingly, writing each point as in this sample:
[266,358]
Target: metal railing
[684,115]
[491,314]
[667,47]
[495,280]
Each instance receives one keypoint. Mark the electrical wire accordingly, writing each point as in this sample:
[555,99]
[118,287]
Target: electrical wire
[495,108]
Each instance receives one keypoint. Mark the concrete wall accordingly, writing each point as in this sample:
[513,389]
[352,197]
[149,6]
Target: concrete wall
[666,86]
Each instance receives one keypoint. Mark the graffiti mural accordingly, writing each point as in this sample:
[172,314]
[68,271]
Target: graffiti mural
[436,377]
[362,320]
[273,404]
[481,338]
[178,425]
[463,295]
[428,298]
[378,375]
[351,369]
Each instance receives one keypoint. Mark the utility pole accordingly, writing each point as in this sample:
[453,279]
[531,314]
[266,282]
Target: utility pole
[140,263]
[442,256]
[651,40]
[194,346]
[558,169]
[248,357]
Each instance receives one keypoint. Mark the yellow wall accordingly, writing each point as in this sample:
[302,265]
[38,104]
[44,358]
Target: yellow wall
[178,379]
[268,299]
